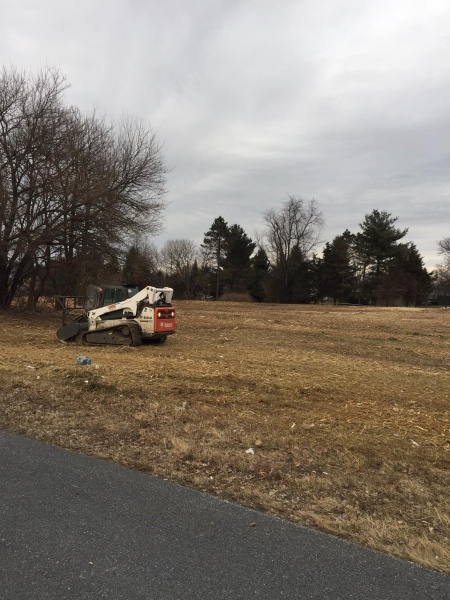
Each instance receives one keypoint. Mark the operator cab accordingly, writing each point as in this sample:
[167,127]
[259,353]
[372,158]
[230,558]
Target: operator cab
[105,295]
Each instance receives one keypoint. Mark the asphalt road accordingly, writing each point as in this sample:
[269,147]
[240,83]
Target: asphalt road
[73,527]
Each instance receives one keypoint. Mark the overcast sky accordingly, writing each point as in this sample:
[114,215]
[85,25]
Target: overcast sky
[344,101]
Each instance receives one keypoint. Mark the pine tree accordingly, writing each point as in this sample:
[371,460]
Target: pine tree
[376,246]
[237,261]
[336,274]
[260,269]
[214,248]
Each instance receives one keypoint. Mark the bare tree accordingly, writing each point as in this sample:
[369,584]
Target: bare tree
[442,273]
[297,224]
[444,249]
[178,257]
[112,188]
[28,109]
[292,233]
[72,189]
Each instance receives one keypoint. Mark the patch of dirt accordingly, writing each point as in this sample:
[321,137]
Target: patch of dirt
[334,417]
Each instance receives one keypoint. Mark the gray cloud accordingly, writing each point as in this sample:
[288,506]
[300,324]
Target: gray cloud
[340,100]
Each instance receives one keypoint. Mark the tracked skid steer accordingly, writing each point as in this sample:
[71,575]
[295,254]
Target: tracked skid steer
[121,315]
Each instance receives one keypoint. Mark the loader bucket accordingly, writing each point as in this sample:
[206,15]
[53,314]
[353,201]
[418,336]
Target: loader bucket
[68,333]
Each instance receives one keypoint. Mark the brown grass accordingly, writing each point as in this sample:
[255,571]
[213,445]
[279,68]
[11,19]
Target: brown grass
[236,297]
[346,411]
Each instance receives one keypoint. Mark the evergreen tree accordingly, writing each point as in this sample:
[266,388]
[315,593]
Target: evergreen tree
[195,283]
[376,246]
[406,278]
[141,265]
[214,248]
[237,261]
[336,274]
[227,250]
[260,269]
[301,278]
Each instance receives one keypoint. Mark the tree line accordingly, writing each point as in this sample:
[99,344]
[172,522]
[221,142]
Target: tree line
[371,266]
[80,200]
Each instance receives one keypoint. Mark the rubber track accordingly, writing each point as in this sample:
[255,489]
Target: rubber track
[135,334]
[101,338]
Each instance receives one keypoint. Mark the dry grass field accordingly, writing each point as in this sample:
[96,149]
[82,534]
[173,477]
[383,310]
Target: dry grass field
[334,417]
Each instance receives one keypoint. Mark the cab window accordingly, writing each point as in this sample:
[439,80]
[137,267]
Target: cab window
[113,296]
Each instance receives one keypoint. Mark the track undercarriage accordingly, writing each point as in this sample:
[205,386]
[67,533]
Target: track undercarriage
[123,335]
[128,334]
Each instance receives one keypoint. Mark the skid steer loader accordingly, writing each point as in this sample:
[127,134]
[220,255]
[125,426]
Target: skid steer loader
[121,315]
